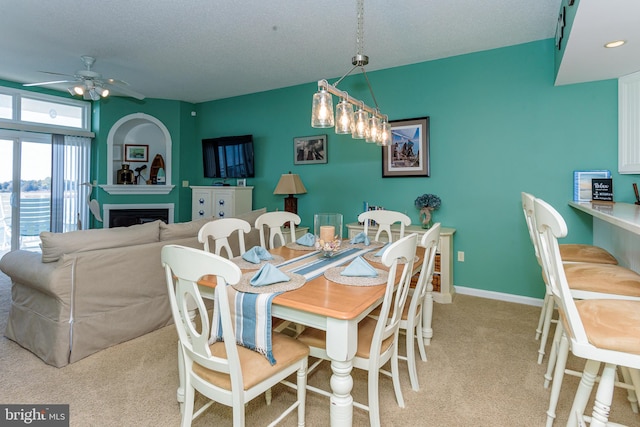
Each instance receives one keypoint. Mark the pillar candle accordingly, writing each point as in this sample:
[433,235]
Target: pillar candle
[327,232]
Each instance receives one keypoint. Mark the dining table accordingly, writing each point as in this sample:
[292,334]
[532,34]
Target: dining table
[335,308]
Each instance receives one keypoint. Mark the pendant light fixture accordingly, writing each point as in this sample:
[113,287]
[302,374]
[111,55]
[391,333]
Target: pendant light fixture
[367,123]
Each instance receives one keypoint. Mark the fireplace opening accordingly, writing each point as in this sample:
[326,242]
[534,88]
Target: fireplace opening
[127,217]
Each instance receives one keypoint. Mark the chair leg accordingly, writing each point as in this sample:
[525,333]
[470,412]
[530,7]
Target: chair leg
[187,413]
[604,396]
[374,405]
[548,316]
[553,355]
[181,376]
[543,310]
[632,397]
[411,356]
[302,393]
[421,342]
[395,377]
[634,375]
[563,353]
[583,393]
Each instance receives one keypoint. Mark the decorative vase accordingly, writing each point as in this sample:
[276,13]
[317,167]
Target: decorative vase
[327,228]
[426,217]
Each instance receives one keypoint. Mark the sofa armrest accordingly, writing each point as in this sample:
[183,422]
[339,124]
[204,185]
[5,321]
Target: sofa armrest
[27,269]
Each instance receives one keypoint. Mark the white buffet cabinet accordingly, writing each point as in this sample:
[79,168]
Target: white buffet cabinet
[443,274]
[220,201]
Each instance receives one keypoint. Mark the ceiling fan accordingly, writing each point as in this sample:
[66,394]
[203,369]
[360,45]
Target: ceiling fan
[90,84]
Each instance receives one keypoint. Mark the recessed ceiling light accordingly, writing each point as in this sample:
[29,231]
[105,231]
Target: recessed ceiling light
[616,43]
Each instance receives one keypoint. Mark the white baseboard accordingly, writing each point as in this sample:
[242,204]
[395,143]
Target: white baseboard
[499,296]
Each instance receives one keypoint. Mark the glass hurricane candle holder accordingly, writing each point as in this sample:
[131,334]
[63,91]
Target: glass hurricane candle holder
[327,228]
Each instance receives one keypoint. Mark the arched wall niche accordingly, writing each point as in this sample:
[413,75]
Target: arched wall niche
[138,129]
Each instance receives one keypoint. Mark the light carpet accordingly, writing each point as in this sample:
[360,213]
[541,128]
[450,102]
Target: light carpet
[481,371]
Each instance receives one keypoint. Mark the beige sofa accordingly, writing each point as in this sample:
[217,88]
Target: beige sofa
[92,289]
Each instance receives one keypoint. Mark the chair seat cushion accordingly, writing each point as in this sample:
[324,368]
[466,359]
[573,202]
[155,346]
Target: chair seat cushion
[612,324]
[570,252]
[254,366]
[317,338]
[611,279]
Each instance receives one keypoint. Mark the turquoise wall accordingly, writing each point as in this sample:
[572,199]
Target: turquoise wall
[498,127]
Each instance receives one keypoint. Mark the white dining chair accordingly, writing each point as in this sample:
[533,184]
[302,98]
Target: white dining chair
[602,330]
[275,221]
[384,219]
[418,313]
[224,372]
[219,231]
[377,338]
[570,253]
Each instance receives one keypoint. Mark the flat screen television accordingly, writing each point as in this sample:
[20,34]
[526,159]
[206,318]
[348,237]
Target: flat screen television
[228,157]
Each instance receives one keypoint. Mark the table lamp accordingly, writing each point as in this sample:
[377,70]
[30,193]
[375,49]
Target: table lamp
[290,183]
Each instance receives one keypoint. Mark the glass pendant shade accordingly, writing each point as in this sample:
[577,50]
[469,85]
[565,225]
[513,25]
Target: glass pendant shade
[373,135]
[385,134]
[359,130]
[322,110]
[344,117]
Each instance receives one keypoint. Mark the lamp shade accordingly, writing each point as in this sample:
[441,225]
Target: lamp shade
[290,183]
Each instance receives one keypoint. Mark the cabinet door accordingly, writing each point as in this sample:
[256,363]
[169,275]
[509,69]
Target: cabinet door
[223,204]
[629,124]
[201,205]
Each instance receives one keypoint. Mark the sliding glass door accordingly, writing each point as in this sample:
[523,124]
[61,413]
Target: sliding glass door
[25,189]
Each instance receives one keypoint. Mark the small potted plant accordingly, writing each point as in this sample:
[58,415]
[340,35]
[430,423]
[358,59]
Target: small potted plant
[427,203]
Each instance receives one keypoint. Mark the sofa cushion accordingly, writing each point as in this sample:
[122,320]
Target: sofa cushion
[251,216]
[181,230]
[54,245]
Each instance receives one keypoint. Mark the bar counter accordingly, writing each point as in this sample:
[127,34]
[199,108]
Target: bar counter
[616,228]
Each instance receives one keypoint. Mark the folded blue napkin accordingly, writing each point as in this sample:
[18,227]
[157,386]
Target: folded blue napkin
[359,268]
[361,238]
[256,254]
[268,275]
[307,240]
[381,251]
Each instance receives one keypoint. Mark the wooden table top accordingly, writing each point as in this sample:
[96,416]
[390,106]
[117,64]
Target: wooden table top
[324,297]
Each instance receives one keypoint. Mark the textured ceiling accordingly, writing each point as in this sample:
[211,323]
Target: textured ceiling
[201,50]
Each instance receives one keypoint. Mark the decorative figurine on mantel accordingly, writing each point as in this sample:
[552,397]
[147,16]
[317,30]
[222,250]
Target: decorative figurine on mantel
[427,203]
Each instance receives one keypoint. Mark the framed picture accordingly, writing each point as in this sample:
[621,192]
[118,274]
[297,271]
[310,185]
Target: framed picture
[408,153]
[136,153]
[309,150]
[241,182]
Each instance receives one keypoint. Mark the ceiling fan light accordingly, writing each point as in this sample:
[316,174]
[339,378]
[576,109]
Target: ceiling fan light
[103,92]
[78,90]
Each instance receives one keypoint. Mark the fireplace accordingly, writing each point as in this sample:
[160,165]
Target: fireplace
[125,215]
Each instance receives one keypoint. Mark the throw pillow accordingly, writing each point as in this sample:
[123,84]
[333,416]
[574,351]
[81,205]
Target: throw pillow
[54,245]
[181,230]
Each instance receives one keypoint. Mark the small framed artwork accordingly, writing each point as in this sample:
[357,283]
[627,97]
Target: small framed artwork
[408,153]
[309,150]
[136,153]
[241,182]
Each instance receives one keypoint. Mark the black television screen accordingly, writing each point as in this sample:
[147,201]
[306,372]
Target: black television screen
[228,157]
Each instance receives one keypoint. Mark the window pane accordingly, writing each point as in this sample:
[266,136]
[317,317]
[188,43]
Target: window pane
[6,110]
[52,113]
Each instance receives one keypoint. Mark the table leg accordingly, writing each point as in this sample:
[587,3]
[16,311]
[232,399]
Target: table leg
[427,315]
[342,339]
[341,409]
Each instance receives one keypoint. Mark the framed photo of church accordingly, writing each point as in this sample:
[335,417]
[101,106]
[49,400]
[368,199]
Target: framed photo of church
[408,153]
[309,150]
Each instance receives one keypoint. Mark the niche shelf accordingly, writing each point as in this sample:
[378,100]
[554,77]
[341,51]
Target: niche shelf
[137,129]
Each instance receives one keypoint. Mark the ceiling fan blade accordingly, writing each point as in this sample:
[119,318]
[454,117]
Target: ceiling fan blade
[49,83]
[56,74]
[123,90]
